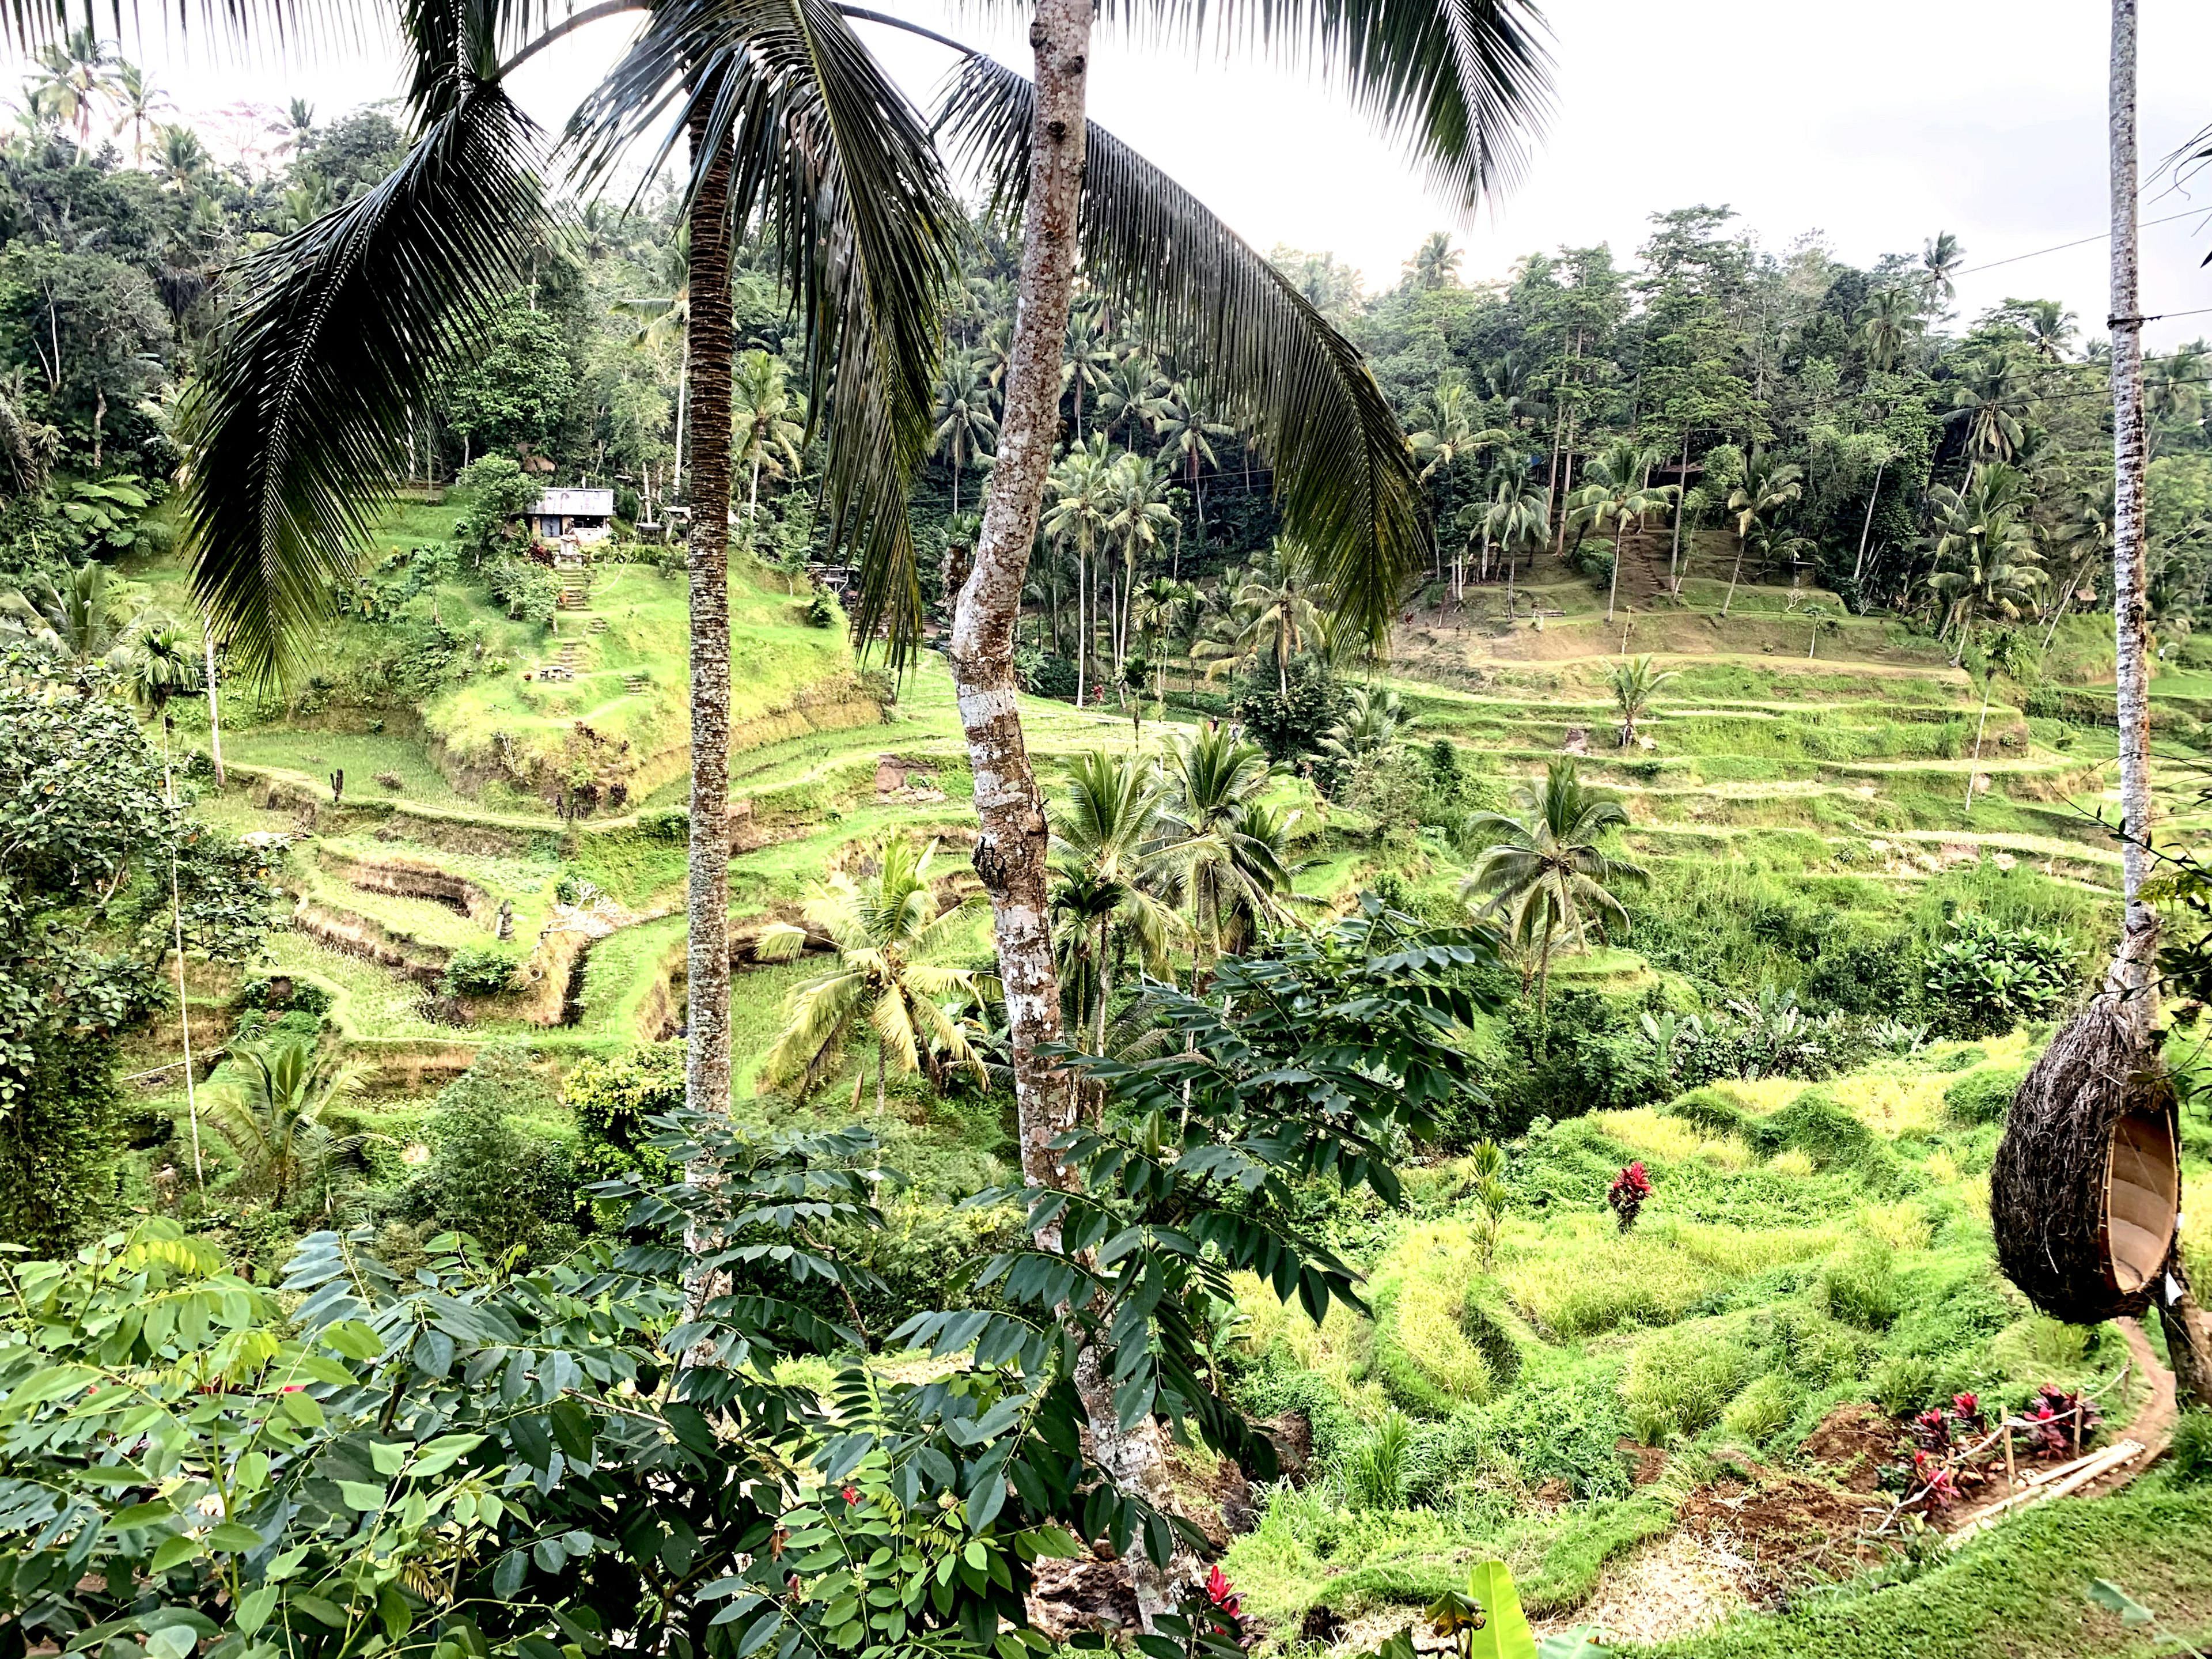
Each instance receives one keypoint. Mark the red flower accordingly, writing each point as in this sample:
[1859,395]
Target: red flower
[294,1387]
[1222,1593]
[848,1495]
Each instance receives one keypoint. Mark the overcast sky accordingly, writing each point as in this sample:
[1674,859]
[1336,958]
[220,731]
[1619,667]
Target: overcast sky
[1874,124]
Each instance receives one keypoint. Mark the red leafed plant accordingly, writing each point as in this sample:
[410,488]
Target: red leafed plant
[1941,1487]
[1627,1195]
[2050,1416]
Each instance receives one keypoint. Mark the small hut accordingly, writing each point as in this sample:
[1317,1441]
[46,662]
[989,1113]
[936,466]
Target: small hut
[2085,1195]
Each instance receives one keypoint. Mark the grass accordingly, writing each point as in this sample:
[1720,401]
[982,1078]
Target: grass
[2021,1593]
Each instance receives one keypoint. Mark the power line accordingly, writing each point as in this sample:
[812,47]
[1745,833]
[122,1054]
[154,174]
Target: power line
[2101,236]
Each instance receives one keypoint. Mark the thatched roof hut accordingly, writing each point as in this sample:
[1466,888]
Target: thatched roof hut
[2086,1192]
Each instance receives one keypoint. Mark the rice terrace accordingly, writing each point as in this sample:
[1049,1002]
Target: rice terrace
[786,872]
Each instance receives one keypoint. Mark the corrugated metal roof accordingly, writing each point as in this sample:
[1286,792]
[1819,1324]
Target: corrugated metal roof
[577,503]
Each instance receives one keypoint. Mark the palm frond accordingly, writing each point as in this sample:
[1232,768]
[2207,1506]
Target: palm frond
[1343,473]
[837,170]
[296,435]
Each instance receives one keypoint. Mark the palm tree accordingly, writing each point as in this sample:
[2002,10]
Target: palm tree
[1087,359]
[1186,435]
[1616,488]
[885,934]
[2005,652]
[1271,610]
[962,423]
[1768,486]
[769,422]
[268,1108]
[2050,329]
[85,614]
[1513,521]
[1991,403]
[1373,723]
[1104,831]
[1451,438]
[76,75]
[1988,565]
[158,661]
[1137,495]
[1159,606]
[183,159]
[1227,851]
[1544,873]
[1635,684]
[1940,260]
[1133,391]
[1083,502]
[1435,264]
[1886,325]
[138,100]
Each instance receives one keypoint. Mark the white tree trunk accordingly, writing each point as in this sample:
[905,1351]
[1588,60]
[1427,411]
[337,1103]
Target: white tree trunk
[2131,622]
[1011,846]
[215,706]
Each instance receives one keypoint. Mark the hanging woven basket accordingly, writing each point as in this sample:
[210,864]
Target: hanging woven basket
[2085,1196]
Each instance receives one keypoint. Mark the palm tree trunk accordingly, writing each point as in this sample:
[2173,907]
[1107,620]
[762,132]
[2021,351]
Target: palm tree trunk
[1980,725]
[1081,624]
[879,1075]
[1683,484]
[2130,972]
[1732,574]
[683,387]
[1613,590]
[1011,850]
[214,706]
[1866,529]
[1010,854]
[706,898]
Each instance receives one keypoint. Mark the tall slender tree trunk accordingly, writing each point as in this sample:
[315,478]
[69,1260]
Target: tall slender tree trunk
[1682,489]
[1866,529]
[214,704]
[1734,573]
[2187,1340]
[1011,846]
[1082,623]
[682,387]
[706,899]
[1612,589]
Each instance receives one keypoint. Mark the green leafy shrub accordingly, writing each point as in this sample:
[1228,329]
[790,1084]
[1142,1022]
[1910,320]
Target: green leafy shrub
[1988,976]
[1815,1125]
[488,1176]
[1763,1409]
[2190,1454]
[1679,1381]
[612,1099]
[1042,675]
[669,825]
[1710,1111]
[1985,1096]
[1903,1383]
[1858,1285]
[1376,1469]
[478,970]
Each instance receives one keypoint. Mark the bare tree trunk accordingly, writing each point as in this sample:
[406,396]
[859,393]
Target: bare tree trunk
[2130,975]
[1082,623]
[1011,850]
[1682,489]
[1866,529]
[706,898]
[215,706]
[1613,589]
[1732,574]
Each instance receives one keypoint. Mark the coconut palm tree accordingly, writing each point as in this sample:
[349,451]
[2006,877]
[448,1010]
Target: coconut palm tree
[1187,433]
[1940,260]
[1513,521]
[1435,264]
[1137,491]
[85,614]
[1227,852]
[1616,489]
[182,160]
[1134,392]
[138,100]
[1634,684]
[2050,330]
[1886,322]
[1083,487]
[1105,831]
[1987,563]
[1768,486]
[76,76]
[1271,612]
[1991,404]
[770,425]
[884,933]
[1544,873]
[1373,723]
[962,426]
[268,1106]
[1157,609]
[158,661]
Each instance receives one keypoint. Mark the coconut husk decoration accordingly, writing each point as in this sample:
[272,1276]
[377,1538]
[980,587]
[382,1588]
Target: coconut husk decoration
[2085,1196]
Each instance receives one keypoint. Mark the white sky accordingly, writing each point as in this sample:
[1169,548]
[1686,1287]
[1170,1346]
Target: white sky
[1875,124]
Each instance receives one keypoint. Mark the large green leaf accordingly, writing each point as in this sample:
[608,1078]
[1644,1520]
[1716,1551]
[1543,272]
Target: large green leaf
[1504,1633]
[1345,475]
[297,433]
